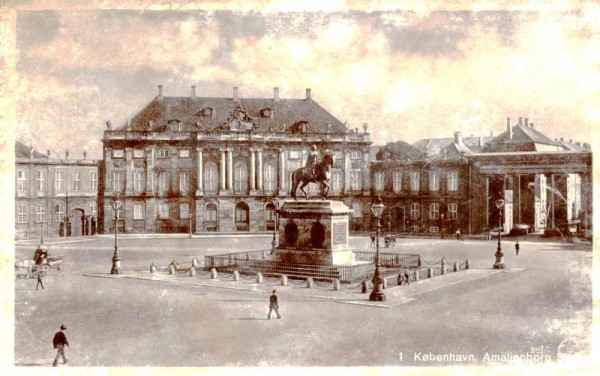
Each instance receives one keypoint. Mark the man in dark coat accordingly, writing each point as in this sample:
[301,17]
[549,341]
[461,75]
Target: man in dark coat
[517,247]
[273,305]
[39,280]
[59,342]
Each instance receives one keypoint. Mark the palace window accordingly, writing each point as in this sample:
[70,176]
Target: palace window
[59,212]
[336,181]
[93,181]
[240,178]
[397,182]
[453,211]
[184,153]
[163,153]
[295,154]
[356,180]
[355,154]
[22,213]
[434,181]
[93,208]
[21,182]
[117,181]
[138,180]
[269,178]
[184,210]
[434,210]
[163,182]
[415,183]
[76,181]
[163,210]
[211,178]
[415,212]
[40,181]
[452,181]
[357,209]
[210,214]
[59,179]
[138,210]
[118,153]
[40,213]
[379,181]
[184,181]
[138,153]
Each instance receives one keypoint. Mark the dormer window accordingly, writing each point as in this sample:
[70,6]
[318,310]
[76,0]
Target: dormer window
[207,112]
[266,112]
[301,127]
[174,125]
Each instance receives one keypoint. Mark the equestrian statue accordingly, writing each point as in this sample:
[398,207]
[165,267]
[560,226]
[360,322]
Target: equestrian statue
[314,171]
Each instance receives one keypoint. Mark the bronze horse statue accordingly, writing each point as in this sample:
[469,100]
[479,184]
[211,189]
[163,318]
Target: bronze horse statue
[321,175]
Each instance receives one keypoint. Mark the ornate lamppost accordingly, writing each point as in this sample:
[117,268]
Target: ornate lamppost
[377,295]
[275,203]
[116,259]
[499,264]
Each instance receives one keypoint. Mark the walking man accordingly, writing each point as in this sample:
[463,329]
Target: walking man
[517,247]
[59,341]
[273,305]
[372,240]
[39,279]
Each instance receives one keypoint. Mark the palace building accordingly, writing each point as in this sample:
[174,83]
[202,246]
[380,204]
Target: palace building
[201,164]
[54,196]
[445,184]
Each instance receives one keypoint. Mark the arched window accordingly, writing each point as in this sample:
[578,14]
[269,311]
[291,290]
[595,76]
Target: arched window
[210,217]
[242,217]
[211,178]
[270,178]
[270,216]
[240,178]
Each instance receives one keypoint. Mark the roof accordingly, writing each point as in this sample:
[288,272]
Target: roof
[24,151]
[261,114]
[524,138]
[433,146]
[399,151]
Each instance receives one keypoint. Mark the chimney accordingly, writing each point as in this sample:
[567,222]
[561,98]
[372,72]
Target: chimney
[276,94]
[570,140]
[480,141]
[458,138]
[578,144]
[526,122]
[48,152]
[520,120]
[193,91]
[509,128]
[84,154]
[235,94]
[562,139]
[67,153]
[308,94]
[531,125]
[160,96]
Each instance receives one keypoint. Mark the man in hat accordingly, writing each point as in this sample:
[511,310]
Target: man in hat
[273,305]
[517,247]
[59,341]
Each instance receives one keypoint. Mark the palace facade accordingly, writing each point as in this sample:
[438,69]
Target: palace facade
[203,164]
[54,196]
[444,185]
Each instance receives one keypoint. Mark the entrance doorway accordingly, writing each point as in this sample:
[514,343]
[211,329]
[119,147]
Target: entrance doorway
[242,219]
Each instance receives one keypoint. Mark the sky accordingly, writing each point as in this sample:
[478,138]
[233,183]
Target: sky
[408,73]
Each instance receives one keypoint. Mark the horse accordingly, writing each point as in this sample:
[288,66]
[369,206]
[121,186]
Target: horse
[321,175]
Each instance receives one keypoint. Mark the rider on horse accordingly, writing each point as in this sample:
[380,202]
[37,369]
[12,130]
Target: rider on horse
[311,162]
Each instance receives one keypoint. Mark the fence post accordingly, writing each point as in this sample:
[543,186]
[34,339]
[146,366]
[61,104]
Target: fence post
[429,272]
[192,271]
[456,267]
[309,282]
[419,262]
[385,283]
[236,275]
[443,267]
[171,269]
[284,280]
[467,264]
[152,268]
[213,273]
[259,277]
[416,275]
[336,285]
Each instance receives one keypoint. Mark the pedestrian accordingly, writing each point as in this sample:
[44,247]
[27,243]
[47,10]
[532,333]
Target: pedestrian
[458,234]
[517,247]
[59,342]
[273,305]
[407,277]
[372,240]
[39,279]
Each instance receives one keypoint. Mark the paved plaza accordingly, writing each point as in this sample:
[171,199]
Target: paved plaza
[538,310]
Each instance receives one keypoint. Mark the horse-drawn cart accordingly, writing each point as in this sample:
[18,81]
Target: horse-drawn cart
[41,263]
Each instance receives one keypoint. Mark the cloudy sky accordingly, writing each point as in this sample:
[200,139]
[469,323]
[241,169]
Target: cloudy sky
[409,74]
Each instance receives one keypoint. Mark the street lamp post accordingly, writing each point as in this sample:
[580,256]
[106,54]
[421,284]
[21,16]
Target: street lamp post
[275,203]
[442,225]
[377,295]
[116,259]
[499,264]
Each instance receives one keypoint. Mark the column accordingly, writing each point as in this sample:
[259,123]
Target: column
[150,171]
[347,170]
[222,169]
[518,195]
[230,169]
[282,179]
[128,171]
[260,170]
[199,185]
[552,199]
[487,200]
[252,170]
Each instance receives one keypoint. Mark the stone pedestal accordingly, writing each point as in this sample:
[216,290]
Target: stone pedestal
[314,232]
